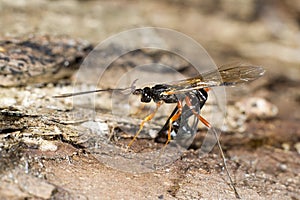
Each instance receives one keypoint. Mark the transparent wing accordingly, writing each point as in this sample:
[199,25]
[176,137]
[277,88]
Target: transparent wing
[226,75]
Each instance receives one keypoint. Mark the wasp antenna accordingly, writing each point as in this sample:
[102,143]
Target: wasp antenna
[89,92]
[133,86]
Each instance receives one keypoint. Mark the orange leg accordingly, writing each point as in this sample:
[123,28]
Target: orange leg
[206,89]
[148,118]
[174,118]
[204,121]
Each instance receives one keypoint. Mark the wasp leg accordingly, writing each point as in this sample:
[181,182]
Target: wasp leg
[206,123]
[206,89]
[146,119]
[172,119]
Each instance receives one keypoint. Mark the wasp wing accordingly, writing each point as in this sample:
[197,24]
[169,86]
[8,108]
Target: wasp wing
[226,75]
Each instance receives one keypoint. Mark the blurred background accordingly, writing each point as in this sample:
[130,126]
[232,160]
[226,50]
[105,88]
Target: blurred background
[261,32]
[264,33]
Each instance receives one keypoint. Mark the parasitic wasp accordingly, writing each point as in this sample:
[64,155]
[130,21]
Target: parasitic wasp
[190,96]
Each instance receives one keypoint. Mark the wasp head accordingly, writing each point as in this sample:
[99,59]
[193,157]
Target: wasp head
[145,94]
